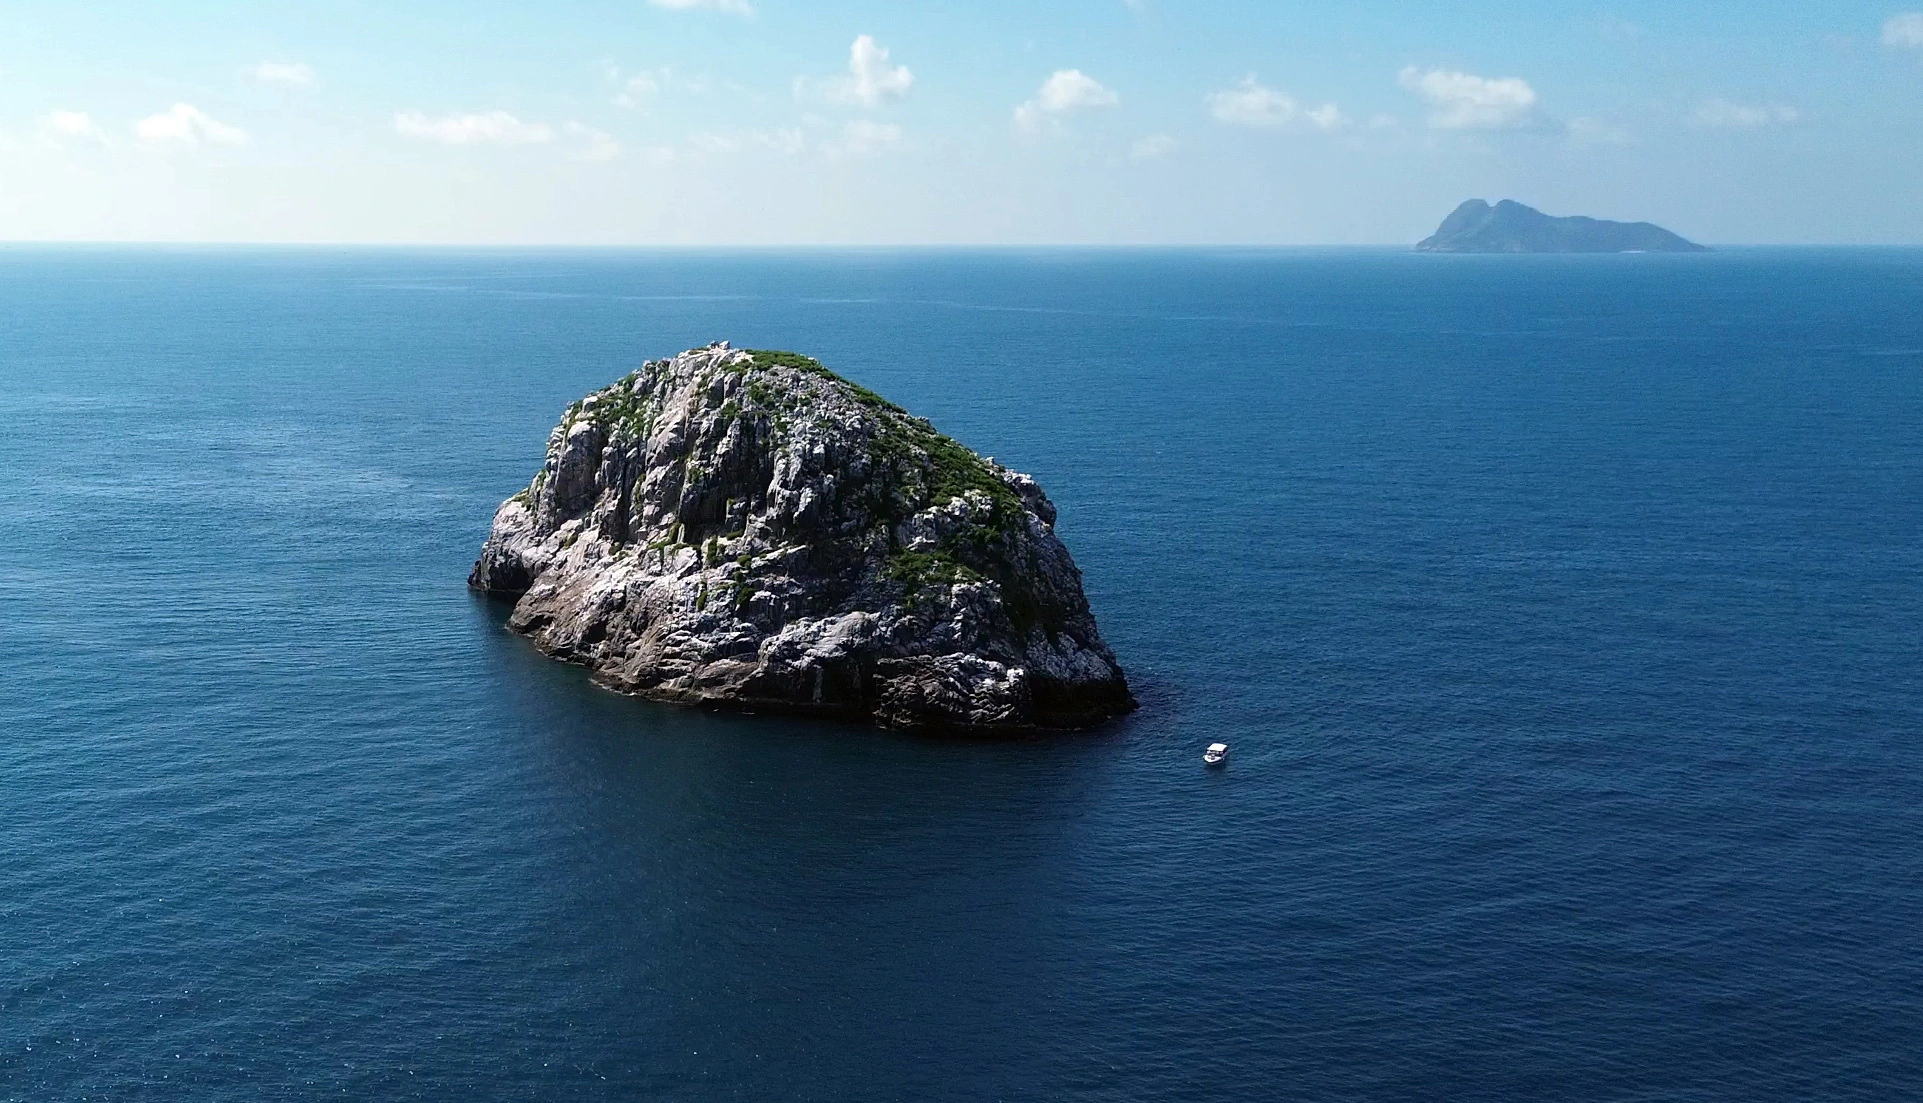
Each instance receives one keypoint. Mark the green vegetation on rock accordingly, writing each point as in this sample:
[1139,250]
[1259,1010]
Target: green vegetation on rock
[623,411]
[914,569]
[777,358]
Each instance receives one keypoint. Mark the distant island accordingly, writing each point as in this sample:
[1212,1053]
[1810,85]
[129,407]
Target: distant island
[747,529]
[1510,227]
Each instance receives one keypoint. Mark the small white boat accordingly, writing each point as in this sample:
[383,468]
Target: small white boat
[1215,754]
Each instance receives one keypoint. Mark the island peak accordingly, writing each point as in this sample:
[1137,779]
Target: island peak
[1511,227]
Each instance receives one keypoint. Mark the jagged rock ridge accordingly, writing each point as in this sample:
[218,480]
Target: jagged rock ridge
[748,529]
[1510,227]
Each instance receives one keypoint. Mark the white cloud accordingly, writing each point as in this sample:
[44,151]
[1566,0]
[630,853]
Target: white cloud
[1251,104]
[715,143]
[637,91]
[71,124]
[738,7]
[870,78]
[578,140]
[1326,117]
[596,145]
[187,125]
[788,141]
[1064,91]
[864,138]
[1742,116]
[295,74]
[1068,89]
[1904,31]
[1153,147]
[490,127]
[1462,101]
[854,138]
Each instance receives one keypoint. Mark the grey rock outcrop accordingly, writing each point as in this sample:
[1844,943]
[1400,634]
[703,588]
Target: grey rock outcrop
[747,529]
[1510,227]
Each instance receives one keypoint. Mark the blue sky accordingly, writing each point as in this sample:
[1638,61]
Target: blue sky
[1090,121]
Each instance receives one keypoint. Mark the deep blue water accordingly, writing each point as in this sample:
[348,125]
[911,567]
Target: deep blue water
[1565,614]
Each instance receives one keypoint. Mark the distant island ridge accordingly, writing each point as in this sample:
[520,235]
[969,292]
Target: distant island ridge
[1511,227]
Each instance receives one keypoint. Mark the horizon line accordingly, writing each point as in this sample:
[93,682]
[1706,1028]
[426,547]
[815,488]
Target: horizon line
[830,245]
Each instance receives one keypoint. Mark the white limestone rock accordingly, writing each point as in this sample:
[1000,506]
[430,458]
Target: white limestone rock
[747,529]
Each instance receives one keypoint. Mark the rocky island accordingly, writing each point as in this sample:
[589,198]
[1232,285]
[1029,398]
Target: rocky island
[1510,227]
[747,529]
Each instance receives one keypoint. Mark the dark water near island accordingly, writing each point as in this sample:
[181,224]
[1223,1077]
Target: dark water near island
[1565,614]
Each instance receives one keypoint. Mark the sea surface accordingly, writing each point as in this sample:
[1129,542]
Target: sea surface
[1565,615]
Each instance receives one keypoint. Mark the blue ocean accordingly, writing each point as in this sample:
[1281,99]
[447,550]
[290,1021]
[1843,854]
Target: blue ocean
[1564,614]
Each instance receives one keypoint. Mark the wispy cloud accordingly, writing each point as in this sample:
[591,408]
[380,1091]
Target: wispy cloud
[870,79]
[71,124]
[1464,101]
[715,143]
[738,7]
[1729,115]
[864,138]
[187,125]
[1904,31]
[637,91]
[1252,104]
[1152,148]
[1065,90]
[594,145]
[851,139]
[480,128]
[786,140]
[576,140]
[294,74]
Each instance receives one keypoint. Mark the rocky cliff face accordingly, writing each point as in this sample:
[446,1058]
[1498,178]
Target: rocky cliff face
[748,529]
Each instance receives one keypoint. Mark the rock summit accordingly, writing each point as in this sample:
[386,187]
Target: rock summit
[1511,227]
